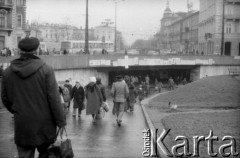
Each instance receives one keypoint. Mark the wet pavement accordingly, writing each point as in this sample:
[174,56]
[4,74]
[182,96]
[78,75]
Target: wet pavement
[105,139]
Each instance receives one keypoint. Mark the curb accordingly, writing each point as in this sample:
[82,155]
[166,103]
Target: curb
[150,125]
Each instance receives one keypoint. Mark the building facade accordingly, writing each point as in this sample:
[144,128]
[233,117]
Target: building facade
[107,33]
[79,34]
[168,18]
[104,33]
[212,40]
[55,33]
[12,22]
[52,32]
[183,34]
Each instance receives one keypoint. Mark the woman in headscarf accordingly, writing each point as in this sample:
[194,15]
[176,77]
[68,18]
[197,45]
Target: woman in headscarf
[94,99]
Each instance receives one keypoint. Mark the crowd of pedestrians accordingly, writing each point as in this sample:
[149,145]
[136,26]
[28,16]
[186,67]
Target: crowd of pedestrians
[6,52]
[39,104]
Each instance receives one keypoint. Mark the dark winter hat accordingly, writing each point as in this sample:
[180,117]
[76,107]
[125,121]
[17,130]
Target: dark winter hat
[28,44]
[119,77]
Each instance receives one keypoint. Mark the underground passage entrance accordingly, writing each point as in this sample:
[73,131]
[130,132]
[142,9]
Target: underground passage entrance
[161,74]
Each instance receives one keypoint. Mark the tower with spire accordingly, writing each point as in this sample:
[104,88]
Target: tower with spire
[167,11]
[189,5]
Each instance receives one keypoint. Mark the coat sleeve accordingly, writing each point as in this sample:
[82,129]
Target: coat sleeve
[99,93]
[83,93]
[54,98]
[126,91]
[103,94]
[113,90]
[72,92]
[6,102]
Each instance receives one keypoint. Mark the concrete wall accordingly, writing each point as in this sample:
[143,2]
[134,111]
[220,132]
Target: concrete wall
[215,70]
[81,75]
[64,62]
[195,74]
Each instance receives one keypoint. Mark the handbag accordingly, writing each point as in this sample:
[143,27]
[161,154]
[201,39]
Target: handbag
[100,114]
[61,148]
[66,97]
[105,106]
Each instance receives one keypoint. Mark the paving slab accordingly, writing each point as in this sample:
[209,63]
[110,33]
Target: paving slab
[105,139]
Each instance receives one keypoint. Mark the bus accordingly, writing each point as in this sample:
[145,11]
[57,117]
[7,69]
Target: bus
[95,47]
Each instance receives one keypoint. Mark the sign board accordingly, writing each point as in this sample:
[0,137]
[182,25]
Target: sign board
[126,62]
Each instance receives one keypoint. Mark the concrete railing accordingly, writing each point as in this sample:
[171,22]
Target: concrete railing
[59,62]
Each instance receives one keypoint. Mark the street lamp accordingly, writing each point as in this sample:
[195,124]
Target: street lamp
[115,39]
[86,50]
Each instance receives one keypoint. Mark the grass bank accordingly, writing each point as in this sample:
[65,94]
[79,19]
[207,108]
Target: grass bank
[211,103]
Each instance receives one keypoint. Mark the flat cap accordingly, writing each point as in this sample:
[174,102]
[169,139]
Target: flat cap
[119,77]
[28,44]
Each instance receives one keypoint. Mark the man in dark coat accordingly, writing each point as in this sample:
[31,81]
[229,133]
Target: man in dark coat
[78,96]
[30,93]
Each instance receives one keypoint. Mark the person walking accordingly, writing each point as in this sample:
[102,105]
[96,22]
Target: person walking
[30,93]
[78,99]
[140,94]
[184,81]
[171,84]
[101,88]
[94,99]
[132,97]
[120,93]
[66,97]
[160,86]
[69,87]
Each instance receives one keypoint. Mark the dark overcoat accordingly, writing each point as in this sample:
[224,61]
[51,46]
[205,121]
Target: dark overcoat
[30,92]
[94,98]
[78,97]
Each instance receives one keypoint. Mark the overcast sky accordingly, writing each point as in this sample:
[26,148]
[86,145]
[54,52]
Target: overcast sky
[135,18]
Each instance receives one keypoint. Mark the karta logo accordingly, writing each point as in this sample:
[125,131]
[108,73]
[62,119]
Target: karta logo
[153,143]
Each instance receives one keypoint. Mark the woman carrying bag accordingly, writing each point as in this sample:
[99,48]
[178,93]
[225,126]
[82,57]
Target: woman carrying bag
[94,99]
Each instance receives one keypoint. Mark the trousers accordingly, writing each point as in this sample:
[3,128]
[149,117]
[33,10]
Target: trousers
[29,151]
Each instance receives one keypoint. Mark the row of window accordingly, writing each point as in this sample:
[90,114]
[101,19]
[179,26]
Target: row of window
[206,48]
[98,38]
[51,36]
[21,2]
[91,45]
[104,32]
[3,20]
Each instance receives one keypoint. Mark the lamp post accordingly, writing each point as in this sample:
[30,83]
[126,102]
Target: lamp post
[223,18]
[86,50]
[115,39]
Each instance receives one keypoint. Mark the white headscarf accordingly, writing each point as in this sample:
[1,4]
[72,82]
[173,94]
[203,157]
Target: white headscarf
[93,79]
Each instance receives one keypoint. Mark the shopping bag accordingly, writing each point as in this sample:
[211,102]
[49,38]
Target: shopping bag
[62,148]
[100,114]
[105,106]
[66,97]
